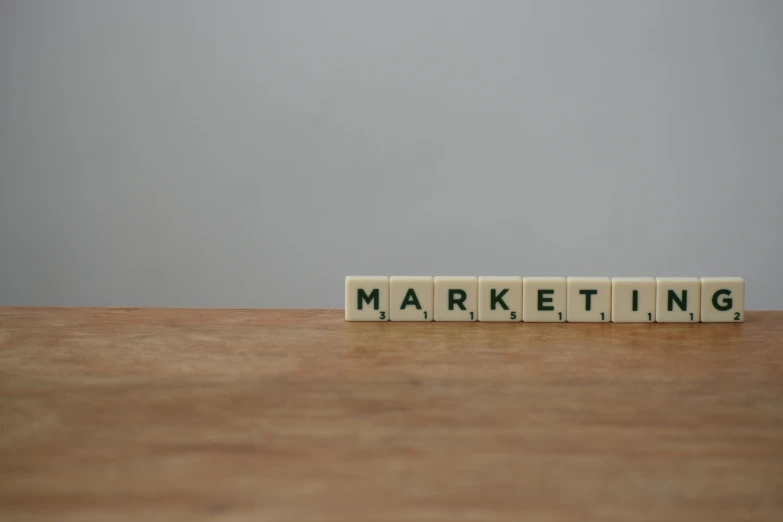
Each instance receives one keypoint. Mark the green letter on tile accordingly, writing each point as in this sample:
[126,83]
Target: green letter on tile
[374,296]
[454,300]
[588,294]
[410,299]
[727,303]
[542,299]
[682,303]
[497,299]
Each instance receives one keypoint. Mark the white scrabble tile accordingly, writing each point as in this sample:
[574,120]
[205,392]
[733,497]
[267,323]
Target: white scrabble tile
[677,299]
[722,300]
[456,298]
[500,299]
[366,298]
[633,299]
[411,298]
[589,299]
[544,299]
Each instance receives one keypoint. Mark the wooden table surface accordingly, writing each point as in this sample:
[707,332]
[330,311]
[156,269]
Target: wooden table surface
[139,414]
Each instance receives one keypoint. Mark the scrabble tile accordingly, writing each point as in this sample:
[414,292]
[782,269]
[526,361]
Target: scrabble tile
[589,299]
[366,298]
[544,299]
[722,300]
[411,298]
[677,299]
[500,299]
[633,299]
[456,298]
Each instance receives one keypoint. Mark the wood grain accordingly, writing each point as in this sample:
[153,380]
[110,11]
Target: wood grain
[129,414]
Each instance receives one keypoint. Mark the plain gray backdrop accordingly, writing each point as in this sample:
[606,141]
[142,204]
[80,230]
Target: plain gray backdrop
[253,154]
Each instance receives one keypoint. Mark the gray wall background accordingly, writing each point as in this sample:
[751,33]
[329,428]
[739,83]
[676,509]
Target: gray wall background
[253,154]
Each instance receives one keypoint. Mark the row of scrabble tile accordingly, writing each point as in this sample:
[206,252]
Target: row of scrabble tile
[545,299]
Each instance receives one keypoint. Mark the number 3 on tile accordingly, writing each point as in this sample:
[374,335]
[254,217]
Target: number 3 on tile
[383,315]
